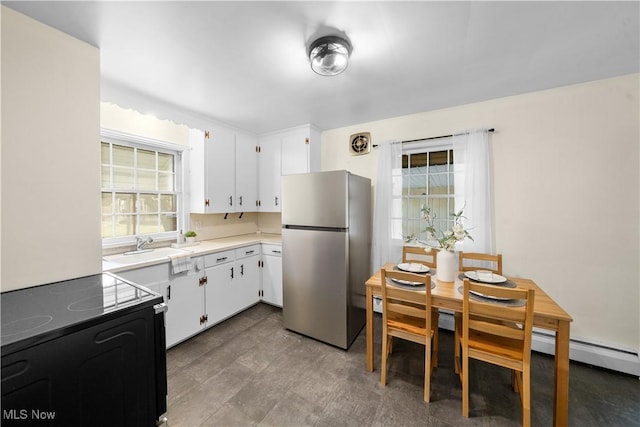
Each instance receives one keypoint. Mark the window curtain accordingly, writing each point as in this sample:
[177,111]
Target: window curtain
[387,212]
[472,178]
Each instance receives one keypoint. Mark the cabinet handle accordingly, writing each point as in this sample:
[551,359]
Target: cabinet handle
[276,200]
[241,270]
[276,252]
[232,272]
[221,259]
[230,200]
[206,202]
[248,252]
[240,200]
[168,292]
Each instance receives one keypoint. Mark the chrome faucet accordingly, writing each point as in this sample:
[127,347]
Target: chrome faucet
[141,242]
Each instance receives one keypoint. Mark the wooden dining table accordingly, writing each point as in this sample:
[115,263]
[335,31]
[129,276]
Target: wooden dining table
[547,315]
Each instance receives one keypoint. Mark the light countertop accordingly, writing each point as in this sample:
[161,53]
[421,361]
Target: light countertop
[201,248]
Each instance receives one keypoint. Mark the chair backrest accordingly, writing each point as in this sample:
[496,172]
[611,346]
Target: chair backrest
[484,314]
[399,302]
[418,254]
[481,262]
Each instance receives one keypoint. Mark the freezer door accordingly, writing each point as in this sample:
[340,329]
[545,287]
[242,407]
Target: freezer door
[315,277]
[316,199]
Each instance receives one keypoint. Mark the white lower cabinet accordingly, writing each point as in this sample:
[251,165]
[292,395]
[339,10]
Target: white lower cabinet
[271,275]
[217,286]
[185,301]
[233,282]
[181,292]
[246,286]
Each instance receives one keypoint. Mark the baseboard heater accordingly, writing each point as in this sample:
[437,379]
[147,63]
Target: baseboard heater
[616,359]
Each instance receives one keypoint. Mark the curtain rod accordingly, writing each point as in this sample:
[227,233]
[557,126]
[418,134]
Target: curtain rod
[432,137]
[438,137]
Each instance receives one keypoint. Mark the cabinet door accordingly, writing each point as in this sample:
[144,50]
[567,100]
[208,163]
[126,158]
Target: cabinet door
[272,279]
[246,283]
[295,152]
[269,174]
[185,303]
[220,170]
[196,181]
[219,292]
[246,173]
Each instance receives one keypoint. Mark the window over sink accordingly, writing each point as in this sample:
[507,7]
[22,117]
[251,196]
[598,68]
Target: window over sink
[141,189]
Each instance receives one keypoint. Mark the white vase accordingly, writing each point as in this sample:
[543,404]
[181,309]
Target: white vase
[446,270]
[190,239]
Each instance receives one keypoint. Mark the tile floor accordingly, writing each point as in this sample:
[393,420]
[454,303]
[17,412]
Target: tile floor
[250,371]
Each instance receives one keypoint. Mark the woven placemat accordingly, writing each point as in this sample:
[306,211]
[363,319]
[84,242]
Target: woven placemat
[507,284]
[409,287]
[506,303]
[431,271]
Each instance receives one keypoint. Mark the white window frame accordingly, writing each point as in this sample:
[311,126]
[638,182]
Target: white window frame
[440,144]
[145,143]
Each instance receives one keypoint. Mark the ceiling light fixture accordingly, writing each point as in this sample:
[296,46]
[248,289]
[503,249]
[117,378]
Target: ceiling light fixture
[329,55]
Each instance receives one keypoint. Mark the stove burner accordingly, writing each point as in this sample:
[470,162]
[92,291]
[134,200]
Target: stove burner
[24,325]
[86,304]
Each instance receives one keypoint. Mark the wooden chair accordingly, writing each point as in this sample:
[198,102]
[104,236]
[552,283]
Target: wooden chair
[430,259]
[491,263]
[406,314]
[495,262]
[417,254]
[500,335]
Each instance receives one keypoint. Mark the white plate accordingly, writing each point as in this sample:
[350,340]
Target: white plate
[413,267]
[488,296]
[496,278]
[407,283]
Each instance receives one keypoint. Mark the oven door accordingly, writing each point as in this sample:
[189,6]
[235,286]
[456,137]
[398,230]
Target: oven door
[160,364]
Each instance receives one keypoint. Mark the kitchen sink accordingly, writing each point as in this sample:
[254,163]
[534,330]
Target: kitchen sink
[146,255]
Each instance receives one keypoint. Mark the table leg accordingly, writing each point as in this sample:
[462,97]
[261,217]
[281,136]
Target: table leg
[561,404]
[369,329]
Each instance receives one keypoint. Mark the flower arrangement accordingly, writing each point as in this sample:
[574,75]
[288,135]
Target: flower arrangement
[448,239]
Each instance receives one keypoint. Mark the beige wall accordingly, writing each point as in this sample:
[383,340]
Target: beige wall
[566,192]
[50,155]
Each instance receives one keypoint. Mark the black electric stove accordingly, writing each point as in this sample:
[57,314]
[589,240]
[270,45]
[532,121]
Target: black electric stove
[86,351]
[40,313]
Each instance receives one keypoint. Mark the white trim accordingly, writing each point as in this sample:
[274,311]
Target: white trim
[143,140]
[616,359]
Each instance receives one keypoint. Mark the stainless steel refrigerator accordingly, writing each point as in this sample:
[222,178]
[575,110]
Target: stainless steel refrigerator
[326,245]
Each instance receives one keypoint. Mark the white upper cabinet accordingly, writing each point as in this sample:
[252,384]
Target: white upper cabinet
[246,199]
[223,171]
[269,165]
[288,152]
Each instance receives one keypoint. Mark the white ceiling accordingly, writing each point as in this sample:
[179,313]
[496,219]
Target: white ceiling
[244,63]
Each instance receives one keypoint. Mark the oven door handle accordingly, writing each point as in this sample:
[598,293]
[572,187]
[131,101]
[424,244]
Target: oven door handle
[160,308]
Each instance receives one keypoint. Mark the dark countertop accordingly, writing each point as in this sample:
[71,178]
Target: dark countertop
[41,313]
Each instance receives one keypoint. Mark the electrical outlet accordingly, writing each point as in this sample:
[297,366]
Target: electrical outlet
[198,225]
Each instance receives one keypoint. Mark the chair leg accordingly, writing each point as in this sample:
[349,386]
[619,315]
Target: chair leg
[525,395]
[427,369]
[385,349]
[389,345]
[434,324]
[465,383]
[457,322]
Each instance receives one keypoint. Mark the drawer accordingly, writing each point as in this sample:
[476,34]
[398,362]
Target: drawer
[219,258]
[269,249]
[247,251]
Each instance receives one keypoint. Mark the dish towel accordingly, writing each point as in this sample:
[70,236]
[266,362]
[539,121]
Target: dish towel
[180,262]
